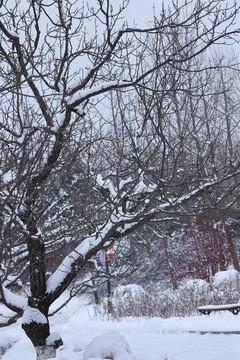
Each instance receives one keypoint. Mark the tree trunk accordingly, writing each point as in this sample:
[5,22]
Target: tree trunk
[232,250]
[169,265]
[36,326]
[38,333]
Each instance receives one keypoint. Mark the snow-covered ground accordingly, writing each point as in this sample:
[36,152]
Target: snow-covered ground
[149,339]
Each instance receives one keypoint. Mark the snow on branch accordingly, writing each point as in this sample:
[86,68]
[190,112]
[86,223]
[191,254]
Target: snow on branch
[142,187]
[33,315]
[14,302]
[83,95]
[103,236]
[12,35]
[67,265]
[178,201]
[8,320]
[107,185]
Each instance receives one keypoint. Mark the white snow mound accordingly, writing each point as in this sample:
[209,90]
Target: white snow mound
[231,276]
[225,275]
[111,345]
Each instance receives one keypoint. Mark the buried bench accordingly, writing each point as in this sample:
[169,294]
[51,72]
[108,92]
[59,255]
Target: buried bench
[206,310]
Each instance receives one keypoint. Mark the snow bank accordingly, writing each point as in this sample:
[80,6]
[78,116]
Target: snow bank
[150,339]
[112,345]
[4,344]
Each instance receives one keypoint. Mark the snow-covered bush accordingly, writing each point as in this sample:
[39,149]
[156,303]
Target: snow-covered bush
[111,345]
[135,301]
[133,290]
[231,276]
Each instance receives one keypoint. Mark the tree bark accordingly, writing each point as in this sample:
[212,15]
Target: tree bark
[37,332]
[169,265]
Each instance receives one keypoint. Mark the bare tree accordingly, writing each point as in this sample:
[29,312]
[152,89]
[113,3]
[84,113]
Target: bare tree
[55,81]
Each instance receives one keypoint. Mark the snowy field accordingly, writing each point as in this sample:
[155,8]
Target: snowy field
[149,339]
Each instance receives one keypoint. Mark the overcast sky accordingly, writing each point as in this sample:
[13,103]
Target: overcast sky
[142,12]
